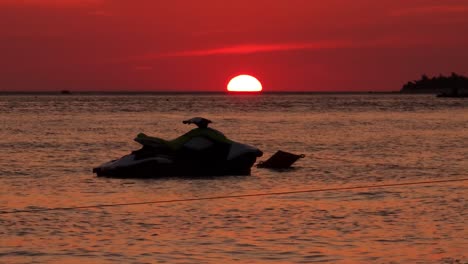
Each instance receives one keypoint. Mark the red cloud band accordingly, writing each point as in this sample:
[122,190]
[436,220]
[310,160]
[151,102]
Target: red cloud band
[257,48]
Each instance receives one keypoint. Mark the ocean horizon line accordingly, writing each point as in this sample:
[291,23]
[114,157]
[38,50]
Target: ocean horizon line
[71,92]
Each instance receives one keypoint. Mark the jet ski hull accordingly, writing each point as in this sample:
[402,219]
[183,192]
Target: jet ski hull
[152,168]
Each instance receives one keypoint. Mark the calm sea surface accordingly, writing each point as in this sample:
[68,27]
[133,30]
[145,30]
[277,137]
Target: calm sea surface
[49,145]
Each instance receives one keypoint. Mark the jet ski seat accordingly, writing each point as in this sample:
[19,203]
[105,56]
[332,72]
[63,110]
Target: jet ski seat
[175,144]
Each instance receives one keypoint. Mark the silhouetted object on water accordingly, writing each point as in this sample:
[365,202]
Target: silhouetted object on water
[202,151]
[452,86]
[65,92]
[280,160]
[453,94]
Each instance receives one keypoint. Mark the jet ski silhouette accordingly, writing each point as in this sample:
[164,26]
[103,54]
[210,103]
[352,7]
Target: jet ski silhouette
[202,151]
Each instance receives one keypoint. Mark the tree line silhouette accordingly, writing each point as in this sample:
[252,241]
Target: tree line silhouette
[452,84]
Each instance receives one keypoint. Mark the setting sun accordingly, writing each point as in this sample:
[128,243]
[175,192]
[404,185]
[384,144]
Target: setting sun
[244,83]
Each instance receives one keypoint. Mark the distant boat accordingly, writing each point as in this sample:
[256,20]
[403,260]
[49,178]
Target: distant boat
[65,92]
[452,95]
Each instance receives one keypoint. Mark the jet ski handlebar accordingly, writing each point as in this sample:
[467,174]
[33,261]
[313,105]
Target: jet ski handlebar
[199,121]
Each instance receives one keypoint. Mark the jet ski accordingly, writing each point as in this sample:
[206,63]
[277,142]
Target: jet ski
[202,151]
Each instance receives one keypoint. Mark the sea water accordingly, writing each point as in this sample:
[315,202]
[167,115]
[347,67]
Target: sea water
[50,143]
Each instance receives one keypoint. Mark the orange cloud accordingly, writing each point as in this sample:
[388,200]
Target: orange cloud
[257,48]
[282,47]
[251,48]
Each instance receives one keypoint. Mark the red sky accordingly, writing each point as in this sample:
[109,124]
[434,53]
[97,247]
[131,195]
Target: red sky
[289,45]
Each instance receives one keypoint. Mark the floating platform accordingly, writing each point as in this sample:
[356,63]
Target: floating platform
[280,160]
